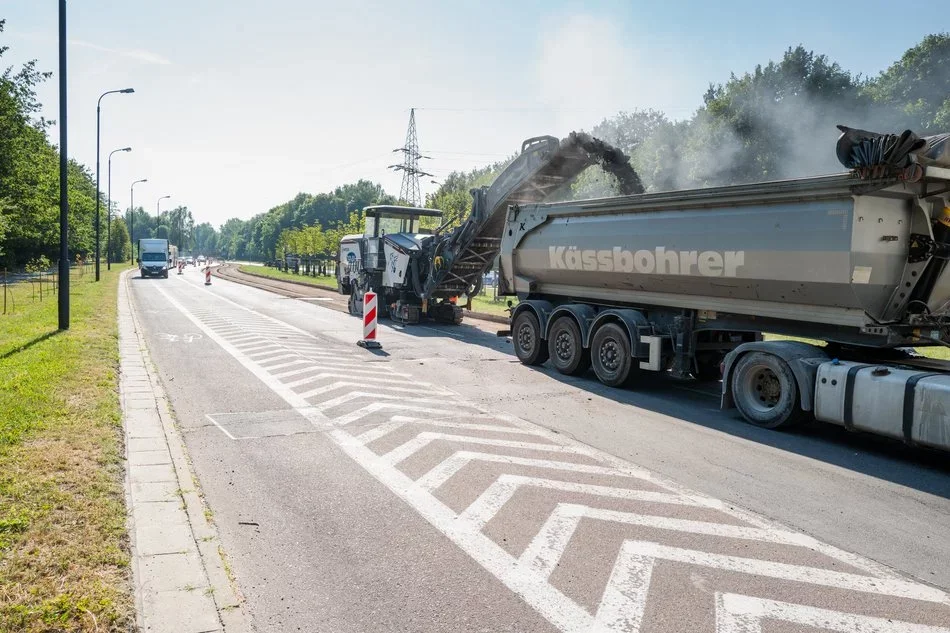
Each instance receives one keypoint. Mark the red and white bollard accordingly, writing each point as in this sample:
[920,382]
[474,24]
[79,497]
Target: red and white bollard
[369,322]
[181,267]
[208,276]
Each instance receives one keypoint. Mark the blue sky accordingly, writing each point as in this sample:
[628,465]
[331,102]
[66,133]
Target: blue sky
[241,104]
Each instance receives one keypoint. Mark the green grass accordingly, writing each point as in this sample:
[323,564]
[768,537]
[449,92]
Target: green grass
[940,353]
[483,303]
[323,281]
[63,542]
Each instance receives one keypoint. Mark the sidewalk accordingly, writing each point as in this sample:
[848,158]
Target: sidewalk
[180,583]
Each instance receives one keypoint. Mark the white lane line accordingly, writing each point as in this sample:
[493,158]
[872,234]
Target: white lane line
[376,384]
[637,558]
[256,346]
[445,470]
[398,421]
[553,605]
[357,366]
[357,395]
[745,614]
[278,354]
[243,342]
[297,372]
[288,364]
[223,430]
[557,608]
[361,374]
[376,407]
[505,486]
[284,392]
[550,543]
[562,612]
[422,440]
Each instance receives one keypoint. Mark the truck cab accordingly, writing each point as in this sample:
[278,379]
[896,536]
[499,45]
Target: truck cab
[155,257]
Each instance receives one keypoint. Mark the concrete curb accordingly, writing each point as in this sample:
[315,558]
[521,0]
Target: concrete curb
[484,316]
[179,577]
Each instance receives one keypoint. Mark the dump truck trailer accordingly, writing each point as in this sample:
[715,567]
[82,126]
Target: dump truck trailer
[685,282]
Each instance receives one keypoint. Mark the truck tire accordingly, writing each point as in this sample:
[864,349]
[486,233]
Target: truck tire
[610,355]
[566,347]
[765,391]
[530,348]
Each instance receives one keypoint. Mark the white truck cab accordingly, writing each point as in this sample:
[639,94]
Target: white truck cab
[154,258]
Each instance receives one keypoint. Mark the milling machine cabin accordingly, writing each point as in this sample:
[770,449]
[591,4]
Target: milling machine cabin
[390,258]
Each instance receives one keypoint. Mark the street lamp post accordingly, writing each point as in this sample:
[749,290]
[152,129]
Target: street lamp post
[98,116]
[157,214]
[132,216]
[63,307]
[109,216]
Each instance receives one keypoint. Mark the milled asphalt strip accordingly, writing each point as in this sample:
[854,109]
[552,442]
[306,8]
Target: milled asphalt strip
[179,579]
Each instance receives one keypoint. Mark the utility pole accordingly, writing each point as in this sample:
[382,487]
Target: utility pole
[409,191]
[63,179]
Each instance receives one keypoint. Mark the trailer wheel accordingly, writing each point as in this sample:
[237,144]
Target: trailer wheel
[526,334]
[610,355]
[354,305]
[566,347]
[766,392]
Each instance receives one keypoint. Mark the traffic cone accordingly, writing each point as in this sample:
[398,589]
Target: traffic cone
[369,322]
[208,276]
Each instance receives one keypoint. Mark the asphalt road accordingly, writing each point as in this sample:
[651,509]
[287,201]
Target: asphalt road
[439,485]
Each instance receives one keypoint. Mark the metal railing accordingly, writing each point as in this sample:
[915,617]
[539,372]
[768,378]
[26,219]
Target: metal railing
[42,285]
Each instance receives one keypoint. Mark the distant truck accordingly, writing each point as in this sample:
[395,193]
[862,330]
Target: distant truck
[156,257]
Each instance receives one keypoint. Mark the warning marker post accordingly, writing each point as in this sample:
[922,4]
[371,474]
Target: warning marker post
[369,322]
[208,276]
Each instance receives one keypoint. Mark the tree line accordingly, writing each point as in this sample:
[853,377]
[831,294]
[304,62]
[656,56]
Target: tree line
[776,121]
[29,177]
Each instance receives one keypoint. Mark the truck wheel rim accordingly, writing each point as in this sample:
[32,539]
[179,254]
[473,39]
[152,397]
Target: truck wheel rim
[525,338]
[609,355]
[766,388]
[564,346]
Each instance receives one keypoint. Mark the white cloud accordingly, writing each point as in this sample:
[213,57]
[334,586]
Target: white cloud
[143,56]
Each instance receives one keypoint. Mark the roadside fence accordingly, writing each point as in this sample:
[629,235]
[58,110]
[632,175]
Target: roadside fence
[36,286]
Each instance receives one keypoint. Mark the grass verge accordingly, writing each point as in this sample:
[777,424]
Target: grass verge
[63,542]
[940,353]
[483,303]
[322,281]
